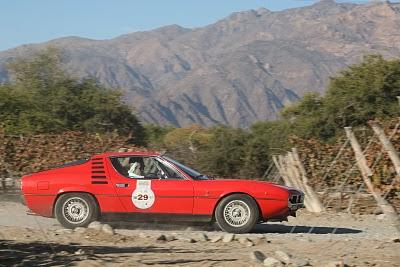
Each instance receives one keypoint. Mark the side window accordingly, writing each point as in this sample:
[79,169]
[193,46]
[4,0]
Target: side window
[169,172]
[131,167]
[116,162]
[144,168]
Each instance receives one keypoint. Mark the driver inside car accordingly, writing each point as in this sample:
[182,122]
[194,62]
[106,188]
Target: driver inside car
[136,167]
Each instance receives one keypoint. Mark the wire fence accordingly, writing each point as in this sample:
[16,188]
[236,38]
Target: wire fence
[337,176]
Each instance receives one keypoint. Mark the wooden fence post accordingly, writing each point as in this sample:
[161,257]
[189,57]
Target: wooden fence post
[293,174]
[284,169]
[387,146]
[366,173]
[280,170]
[314,200]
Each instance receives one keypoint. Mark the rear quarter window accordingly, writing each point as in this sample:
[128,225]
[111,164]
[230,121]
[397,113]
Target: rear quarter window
[73,163]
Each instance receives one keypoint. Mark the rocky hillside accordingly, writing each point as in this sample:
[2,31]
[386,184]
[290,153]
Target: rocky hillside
[238,70]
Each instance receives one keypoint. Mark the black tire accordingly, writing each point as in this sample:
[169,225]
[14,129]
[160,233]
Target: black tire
[247,213]
[76,210]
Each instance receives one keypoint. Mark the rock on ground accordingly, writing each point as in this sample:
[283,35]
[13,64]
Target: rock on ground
[202,237]
[187,239]
[95,225]
[80,230]
[272,262]
[257,256]
[228,238]
[107,229]
[283,256]
[216,238]
[245,241]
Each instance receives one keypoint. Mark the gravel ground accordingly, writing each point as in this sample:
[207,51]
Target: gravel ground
[313,239]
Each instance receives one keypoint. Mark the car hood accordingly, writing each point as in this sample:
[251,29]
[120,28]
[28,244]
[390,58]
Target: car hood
[253,184]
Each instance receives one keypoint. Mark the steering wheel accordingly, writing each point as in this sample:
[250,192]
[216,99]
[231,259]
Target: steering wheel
[161,174]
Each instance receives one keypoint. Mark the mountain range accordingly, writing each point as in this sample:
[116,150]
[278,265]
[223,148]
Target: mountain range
[241,69]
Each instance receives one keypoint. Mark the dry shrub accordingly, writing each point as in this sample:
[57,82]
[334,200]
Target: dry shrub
[26,154]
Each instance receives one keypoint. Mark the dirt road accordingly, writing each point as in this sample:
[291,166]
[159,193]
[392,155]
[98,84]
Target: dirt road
[316,240]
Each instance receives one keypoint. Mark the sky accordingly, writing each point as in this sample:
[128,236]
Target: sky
[35,21]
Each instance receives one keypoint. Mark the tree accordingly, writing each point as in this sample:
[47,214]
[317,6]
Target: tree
[41,98]
[363,92]
[155,134]
[305,116]
[223,154]
[185,143]
[273,134]
[358,94]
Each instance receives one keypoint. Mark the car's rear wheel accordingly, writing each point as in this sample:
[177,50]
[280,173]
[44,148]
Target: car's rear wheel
[76,210]
[237,213]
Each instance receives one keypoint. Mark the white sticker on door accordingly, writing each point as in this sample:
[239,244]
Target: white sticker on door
[143,197]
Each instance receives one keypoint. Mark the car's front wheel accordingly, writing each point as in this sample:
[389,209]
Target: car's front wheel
[76,210]
[237,213]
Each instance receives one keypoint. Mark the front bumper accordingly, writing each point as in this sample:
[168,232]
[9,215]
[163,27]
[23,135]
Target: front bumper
[296,201]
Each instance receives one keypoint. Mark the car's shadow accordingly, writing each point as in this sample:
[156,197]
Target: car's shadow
[164,226]
[273,228]
[296,229]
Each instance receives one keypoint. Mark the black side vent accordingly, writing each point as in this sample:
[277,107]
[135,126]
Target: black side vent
[99,182]
[98,172]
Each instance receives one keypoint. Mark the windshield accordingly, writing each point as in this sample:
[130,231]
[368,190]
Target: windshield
[192,173]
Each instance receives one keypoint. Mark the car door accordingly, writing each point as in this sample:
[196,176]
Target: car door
[158,189]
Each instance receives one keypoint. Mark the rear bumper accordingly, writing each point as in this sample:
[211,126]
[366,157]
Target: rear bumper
[41,204]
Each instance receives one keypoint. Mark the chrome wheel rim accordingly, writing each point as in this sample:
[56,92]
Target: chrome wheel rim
[75,210]
[237,213]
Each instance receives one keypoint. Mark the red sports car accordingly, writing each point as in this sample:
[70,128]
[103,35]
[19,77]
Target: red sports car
[152,187]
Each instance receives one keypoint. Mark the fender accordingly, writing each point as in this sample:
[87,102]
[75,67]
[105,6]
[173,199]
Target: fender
[255,195]
[227,193]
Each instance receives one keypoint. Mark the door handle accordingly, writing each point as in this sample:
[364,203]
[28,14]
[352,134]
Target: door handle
[122,185]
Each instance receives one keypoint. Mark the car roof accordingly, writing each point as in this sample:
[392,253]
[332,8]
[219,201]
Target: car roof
[130,153]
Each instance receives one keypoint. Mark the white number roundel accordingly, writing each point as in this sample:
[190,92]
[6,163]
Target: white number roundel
[143,197]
